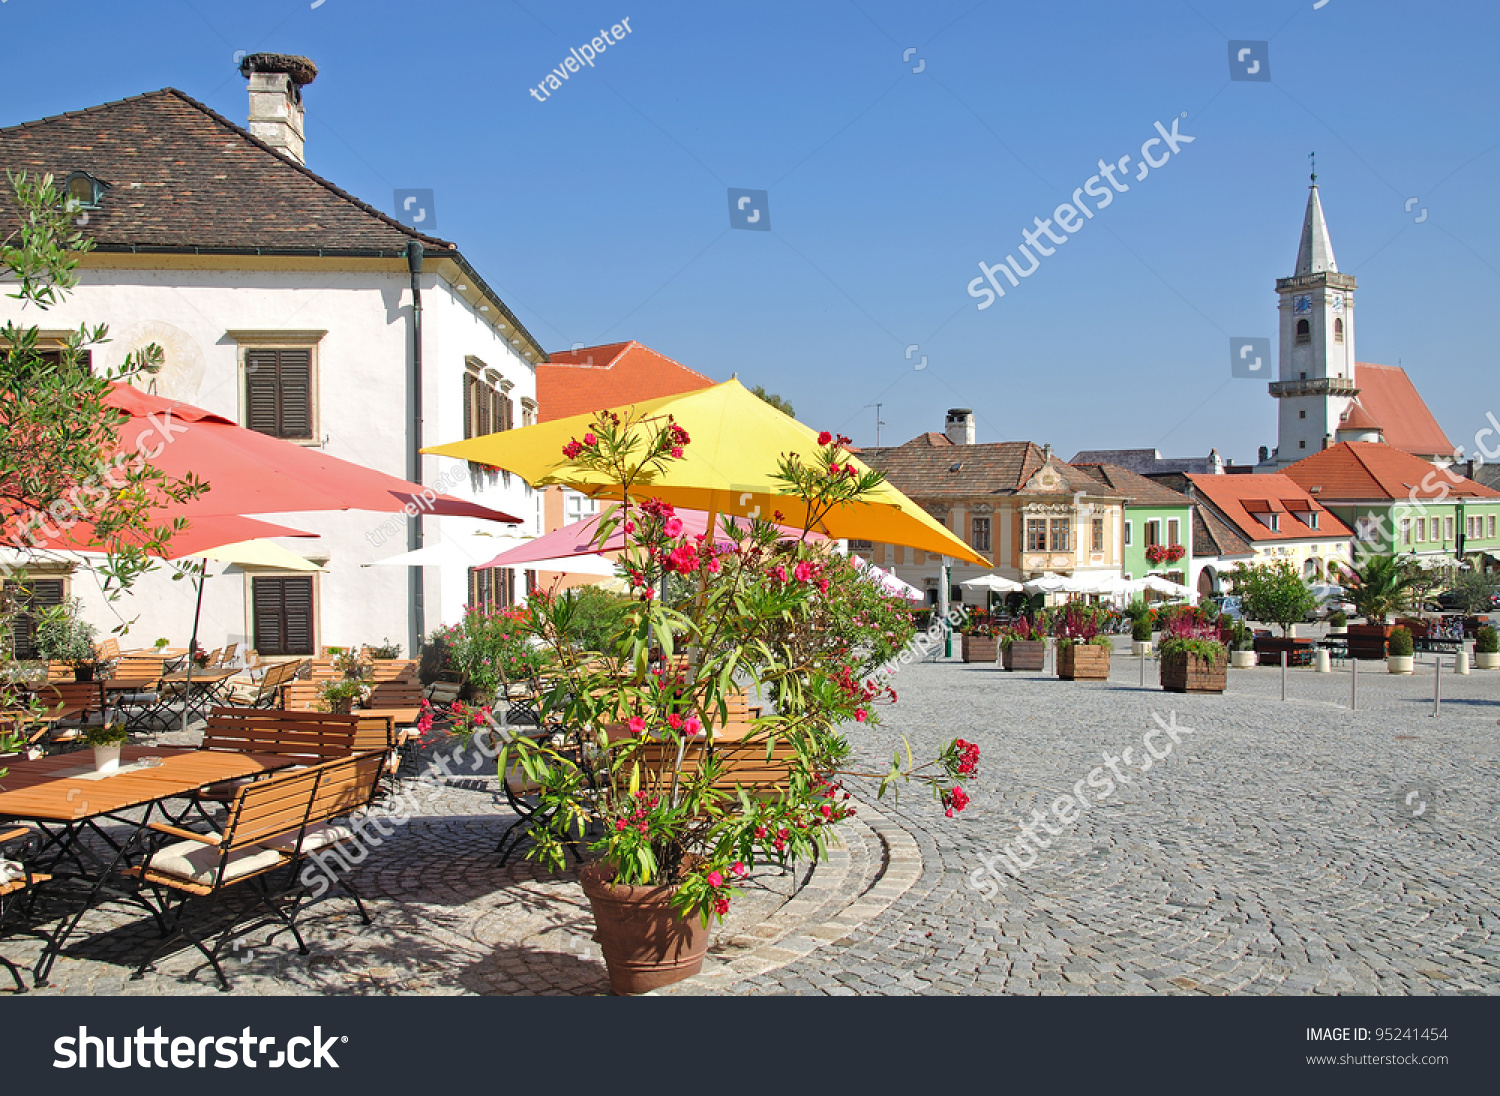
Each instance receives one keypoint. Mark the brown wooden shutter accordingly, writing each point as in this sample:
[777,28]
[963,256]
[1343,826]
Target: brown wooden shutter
[34,594]
[469,381]
[278,392]
[283,610]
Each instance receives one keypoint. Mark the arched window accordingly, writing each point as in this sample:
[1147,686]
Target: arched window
[1338,329]
[1304,332]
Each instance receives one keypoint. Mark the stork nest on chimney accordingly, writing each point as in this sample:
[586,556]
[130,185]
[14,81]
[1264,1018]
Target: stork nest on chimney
[300,69]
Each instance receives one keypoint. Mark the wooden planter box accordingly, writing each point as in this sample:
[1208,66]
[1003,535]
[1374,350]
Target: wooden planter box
[1269,648]
[1367,641]
[980,648]
[1083,662]
[1025,654]
[1184,672]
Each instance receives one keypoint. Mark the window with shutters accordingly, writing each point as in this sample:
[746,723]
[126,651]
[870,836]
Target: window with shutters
[36,593]
[487,406]
[282,609]
[279,392]
[491,588]
[979,534]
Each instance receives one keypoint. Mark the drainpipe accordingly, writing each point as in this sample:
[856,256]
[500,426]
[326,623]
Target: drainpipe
[415,611]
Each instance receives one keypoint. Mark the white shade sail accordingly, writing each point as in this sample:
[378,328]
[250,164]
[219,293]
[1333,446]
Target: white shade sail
[997,584]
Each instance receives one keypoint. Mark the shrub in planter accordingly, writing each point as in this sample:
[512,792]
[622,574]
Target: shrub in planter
[1140,629]
[1241,646]
[1191,657]
[981,641]
[633,771]
[1083,650]
[1023,647]
[1338,620]
[1399,649]
[1487,648]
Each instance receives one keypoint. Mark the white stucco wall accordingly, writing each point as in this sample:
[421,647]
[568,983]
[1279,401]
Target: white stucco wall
[361,415]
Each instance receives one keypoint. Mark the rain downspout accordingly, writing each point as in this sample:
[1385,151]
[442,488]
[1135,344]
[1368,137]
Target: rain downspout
[415,608]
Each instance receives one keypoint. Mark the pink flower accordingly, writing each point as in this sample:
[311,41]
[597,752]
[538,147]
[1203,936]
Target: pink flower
[677,452]
[693,725]
[673,527]
[834,469]
[636,724]
[778,573]
[860,715]
[721,906]
[674,720]
[590,441]
[824,438]
[630,526]
[803,571]
[715,880]
[620,824]
[738,868]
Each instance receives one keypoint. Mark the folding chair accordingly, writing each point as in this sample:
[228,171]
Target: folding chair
[17,879]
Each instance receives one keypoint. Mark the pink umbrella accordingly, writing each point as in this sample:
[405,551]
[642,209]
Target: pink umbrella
[577,540]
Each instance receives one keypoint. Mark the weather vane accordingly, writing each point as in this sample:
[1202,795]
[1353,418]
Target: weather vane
[1312,158]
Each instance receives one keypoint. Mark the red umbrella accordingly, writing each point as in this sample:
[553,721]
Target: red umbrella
[203,532]
[253,473]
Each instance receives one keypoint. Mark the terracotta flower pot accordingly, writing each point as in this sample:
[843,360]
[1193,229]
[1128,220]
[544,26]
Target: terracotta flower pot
[646,945]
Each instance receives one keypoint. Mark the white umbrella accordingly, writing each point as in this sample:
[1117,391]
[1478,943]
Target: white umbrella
[1164,586]
[1049,583]
[582,564]
[466,550]
[995,584]
[1118,584]
[888,581]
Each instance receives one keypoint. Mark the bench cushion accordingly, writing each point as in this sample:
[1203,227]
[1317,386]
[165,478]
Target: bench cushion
[196,862]
[318,836]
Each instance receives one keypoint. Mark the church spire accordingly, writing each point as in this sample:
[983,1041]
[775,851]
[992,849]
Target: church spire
[1315,252]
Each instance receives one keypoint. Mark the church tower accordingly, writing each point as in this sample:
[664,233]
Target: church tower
[1315,385]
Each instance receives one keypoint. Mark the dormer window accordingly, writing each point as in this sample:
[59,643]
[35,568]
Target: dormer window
[1271,522]
[1304,332]
[84,189]
[1338,330]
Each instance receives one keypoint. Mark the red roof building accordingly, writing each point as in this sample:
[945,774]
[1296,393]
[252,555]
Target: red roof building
[1278,517]
[576,382]
[1388,404]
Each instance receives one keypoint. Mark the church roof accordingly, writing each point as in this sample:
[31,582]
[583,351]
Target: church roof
[1388,396]
[1315,251]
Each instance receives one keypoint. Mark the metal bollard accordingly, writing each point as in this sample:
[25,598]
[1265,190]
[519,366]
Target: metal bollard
[1437,686]
[1354,684]
[1143,669]
[1283,675]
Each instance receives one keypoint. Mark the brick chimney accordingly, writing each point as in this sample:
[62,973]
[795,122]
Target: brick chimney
[276,83]
[959,426]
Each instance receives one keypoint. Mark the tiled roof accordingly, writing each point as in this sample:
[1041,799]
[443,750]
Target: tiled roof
[577,382]
[1238,498]
[1368,470]
[183,179]
[1144,461]
[1213,536]
[926,468]
[1387,394]
[1357,418]
[1134,489]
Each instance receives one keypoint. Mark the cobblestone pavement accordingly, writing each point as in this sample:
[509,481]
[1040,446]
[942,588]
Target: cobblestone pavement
[1278,849]
[1274,851]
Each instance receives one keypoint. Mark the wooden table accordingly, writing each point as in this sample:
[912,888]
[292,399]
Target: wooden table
[60,796]
[202,692]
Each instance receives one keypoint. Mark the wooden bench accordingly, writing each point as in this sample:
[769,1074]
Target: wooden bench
[273,826]
[394,669]
[310,736]
[743,763]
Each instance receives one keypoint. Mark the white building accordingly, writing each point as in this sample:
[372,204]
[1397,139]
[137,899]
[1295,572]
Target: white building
[286,304]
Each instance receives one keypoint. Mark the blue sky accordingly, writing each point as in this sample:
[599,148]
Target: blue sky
[601,213]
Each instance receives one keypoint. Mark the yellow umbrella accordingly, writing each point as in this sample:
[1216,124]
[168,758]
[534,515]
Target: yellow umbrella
[727,468]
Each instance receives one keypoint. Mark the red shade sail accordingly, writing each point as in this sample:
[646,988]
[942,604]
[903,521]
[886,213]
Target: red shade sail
[252,473]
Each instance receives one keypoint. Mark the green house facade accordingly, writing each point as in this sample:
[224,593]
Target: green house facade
[1154,515]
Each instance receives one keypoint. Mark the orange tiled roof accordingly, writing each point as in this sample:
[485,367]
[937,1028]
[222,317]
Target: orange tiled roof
[1357,418]
[1239,498]
[577,382]
[1368,470]
[1387,394]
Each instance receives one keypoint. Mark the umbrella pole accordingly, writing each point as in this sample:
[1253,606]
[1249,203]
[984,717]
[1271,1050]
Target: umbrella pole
[187,686]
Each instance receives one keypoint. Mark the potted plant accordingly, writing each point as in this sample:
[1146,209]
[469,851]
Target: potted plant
[107,739]
[341,694]
[1023,646]
[1140,635]
[1338,622]
[1191,657]
[385,649]
[62,636]
[1242,646]
[1399,657]
[161,644]
[1487,648]
[635,772]
[980,640]
[1083,649]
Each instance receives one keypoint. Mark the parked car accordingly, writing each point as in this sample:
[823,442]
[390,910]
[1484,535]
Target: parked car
[1449,602]
[1330,599]
[1224,605]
